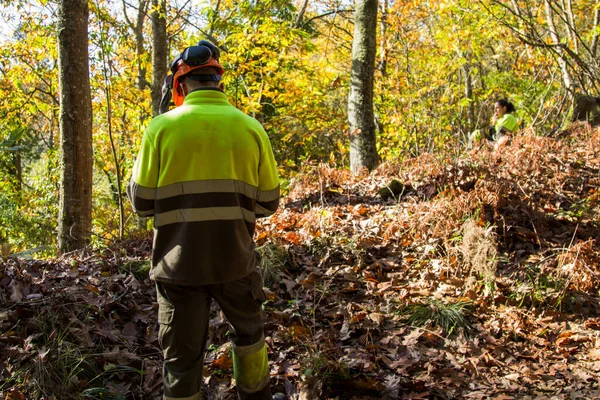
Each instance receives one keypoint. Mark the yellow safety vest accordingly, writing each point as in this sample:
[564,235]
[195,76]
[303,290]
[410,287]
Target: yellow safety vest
[205,171]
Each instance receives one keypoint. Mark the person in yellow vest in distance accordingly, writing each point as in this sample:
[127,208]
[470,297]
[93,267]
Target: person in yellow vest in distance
[205,172]
[503,123]
[503,120]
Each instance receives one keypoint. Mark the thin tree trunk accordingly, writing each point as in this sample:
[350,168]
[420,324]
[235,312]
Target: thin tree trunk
[138,31]
[594,47]
[562,61]
[516,8]
[469,93]
[139,45]
[571,25]
[382,66]
[107,71]
[215,15]
[75,209]
[142,82]
[159,51]
[361,121]
[300,17]
[18,168]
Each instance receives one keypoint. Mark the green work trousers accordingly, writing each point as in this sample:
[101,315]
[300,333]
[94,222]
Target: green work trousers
[183,313]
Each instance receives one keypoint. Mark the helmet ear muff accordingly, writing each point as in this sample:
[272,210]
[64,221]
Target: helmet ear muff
[216,53]
[166,97]
[205,54]
[174,65]
[197,55]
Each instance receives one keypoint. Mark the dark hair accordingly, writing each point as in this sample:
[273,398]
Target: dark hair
[510,107]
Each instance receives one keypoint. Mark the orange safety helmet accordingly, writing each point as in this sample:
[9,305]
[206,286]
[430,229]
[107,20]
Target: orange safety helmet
[184,69]
[205,54]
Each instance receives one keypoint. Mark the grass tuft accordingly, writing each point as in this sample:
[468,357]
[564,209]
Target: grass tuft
[59,366]
[480,251]
[273,259]
[434,313]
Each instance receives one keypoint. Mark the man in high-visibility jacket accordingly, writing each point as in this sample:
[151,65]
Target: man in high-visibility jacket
[205,171]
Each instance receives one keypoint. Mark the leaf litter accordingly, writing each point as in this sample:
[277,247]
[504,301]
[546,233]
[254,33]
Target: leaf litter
[475,277]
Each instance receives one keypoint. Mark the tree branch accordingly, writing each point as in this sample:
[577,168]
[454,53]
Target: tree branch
[327,14]
[298,22]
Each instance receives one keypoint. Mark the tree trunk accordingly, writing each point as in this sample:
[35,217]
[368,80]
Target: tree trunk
[138,31]
[570,25]
[562,60]
[18,167]
[142,82]
[469,93]
[75,209]
[300,17]
[159,52]
[108,73]
[594,46]
[382,66]
[139,44]
[361,121]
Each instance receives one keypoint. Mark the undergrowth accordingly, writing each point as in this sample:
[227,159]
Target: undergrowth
[431,313]
[273,260]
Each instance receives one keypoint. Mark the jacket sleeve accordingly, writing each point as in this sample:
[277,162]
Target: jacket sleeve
[141,190]
[268,181]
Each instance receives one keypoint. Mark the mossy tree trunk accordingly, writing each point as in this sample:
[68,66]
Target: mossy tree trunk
[75,209]
[361,120]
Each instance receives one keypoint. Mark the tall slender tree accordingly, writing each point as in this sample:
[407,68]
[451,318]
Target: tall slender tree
[138,31]
[75,211]
[563,62]
[159,51]
[361,119]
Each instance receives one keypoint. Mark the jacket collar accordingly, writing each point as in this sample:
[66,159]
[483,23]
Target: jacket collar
[206,96]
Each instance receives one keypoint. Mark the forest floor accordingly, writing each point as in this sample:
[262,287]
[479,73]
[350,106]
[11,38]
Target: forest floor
[470,277]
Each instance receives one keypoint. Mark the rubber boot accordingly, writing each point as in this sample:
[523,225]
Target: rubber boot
[263,394]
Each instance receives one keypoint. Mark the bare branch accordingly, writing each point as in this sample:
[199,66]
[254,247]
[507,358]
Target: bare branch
[180,11]
[208,35]
[329,13]
[214,18]
[125,14]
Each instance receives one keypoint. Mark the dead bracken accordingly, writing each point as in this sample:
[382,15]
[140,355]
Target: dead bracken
[511,233]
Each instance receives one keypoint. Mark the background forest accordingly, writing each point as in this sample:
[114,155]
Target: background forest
[440,66]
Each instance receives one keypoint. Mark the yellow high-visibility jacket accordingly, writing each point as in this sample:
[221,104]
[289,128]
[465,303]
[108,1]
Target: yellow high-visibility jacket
[205,171]
[508,121]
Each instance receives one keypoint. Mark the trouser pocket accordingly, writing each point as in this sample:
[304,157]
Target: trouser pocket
[183,321]
[256,286]
[166,311]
